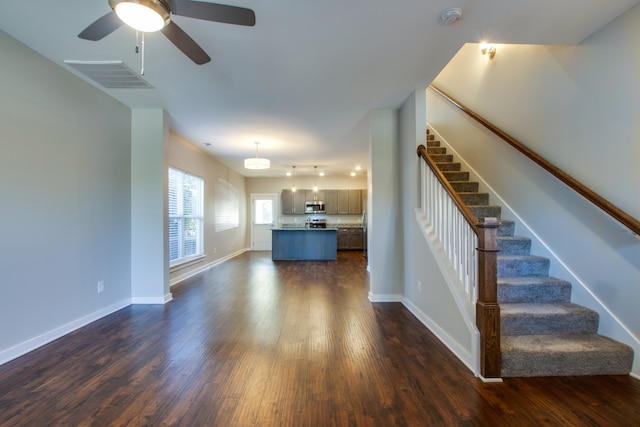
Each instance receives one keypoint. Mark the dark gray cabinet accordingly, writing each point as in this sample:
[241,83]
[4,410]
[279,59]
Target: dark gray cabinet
[343,202]
[355,202]
[293,202]
[350,238]
[337,202]
[331,201]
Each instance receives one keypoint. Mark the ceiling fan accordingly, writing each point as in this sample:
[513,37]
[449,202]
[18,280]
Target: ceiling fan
[159,14]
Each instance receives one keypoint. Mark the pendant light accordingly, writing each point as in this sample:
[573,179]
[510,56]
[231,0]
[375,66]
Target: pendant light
[315,182]
[293,175]
[256,162]
[142,15]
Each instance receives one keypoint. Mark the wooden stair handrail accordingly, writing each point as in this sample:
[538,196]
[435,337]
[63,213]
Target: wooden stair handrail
[470,218]
[618,214]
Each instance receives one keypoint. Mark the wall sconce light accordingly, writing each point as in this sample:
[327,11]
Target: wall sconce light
[488,49]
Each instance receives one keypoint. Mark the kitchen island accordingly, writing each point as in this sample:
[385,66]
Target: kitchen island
[304,244]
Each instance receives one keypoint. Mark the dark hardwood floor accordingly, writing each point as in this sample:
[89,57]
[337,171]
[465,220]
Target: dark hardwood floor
[257,343]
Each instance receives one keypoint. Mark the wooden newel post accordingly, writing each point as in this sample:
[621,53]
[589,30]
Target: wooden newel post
[487,308]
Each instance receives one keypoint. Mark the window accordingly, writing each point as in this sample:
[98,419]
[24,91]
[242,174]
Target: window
[227,206]
[186,216]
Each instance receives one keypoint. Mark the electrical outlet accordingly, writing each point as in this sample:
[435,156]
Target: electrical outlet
[100,286]
[419,286]
[215,250]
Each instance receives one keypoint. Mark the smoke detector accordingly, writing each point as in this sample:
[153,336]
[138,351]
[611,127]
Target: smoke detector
[451,15]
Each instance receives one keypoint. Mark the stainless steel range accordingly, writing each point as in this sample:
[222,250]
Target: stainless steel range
[316,223]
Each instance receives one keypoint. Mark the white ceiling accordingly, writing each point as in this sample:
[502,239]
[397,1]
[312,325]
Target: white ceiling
[304,78]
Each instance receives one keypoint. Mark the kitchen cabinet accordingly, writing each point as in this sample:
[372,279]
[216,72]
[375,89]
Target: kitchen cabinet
[343,202]
[343,238]
[355,202]
[355,238]
[293,202]
[337,202]
[303,244]
[331,201]
[350,238]
[319,196]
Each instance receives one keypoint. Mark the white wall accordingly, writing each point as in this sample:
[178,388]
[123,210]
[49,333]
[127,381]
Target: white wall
[385,250]
[65,185]
[577,107]
[149,223]
[218,245]
[426,292]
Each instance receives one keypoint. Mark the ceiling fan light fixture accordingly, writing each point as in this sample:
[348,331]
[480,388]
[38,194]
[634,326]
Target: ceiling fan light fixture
[142,15]
[257,162]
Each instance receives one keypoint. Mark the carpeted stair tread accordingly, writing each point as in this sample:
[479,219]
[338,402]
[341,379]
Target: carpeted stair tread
[449,166]
[465,186]
[547,319]
[485,211]
[439,158]
[474,199]
[436,150]
[564,355]
[533,289]
[456,175]
[522,265]
[514,245]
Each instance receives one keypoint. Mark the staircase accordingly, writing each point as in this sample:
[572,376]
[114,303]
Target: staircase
[542,332]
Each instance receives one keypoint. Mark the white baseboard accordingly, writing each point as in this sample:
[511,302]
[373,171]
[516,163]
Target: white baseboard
[385,297]
[177,279]
[460,352]
[33,343]
[152,300]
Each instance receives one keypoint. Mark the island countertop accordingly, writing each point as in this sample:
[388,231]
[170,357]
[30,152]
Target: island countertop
[304,244]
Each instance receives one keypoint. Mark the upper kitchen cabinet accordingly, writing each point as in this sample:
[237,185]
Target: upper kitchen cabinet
[319,196]
[349,202]
[355,202]
[293,202]
[337,202]
[343,202]
[331,201]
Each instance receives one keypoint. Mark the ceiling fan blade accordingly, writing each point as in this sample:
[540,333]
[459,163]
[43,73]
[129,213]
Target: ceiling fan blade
[213,12]
[185,43]
[102,27]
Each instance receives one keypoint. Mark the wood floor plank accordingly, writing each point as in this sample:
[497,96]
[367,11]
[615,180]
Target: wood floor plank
[253,342]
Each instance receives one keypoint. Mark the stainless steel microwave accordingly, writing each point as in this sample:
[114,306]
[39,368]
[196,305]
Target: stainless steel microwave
[314,207]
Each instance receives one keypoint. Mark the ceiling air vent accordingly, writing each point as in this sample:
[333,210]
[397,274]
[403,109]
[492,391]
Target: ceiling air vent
[110,74]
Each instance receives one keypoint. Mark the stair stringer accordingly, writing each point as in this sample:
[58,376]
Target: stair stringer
[609,325]
[456,287]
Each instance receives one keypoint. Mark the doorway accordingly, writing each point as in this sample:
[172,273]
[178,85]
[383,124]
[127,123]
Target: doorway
[263,219]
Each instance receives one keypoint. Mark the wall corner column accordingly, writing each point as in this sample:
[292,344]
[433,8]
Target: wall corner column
[149,262]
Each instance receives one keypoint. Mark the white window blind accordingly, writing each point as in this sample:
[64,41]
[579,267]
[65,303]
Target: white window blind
[186,216]
[227,209]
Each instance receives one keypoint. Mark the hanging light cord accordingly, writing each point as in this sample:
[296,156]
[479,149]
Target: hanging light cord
[140,49]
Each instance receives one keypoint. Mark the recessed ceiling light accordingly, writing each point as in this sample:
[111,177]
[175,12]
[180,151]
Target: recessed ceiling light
[321,174]
[358,168]
[353,174]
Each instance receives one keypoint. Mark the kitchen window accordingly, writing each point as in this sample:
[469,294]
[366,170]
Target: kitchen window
[186,217]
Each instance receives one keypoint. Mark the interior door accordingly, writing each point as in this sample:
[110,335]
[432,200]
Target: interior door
[263,219]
